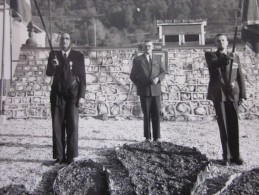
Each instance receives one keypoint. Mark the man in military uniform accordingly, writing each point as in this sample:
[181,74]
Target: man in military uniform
[226,90]
[67,93]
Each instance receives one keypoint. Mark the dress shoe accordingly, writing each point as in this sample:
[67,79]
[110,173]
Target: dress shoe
[58,161]
[64,160]
[225,162]
[148,140]
[157,140]
[70,161]
[237,161]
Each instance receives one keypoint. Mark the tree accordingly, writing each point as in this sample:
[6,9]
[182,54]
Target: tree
[158,9]
[129,19]
[123,20]
[182,9]
[198,10]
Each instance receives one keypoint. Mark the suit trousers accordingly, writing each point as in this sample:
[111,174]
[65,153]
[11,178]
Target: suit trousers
[65,120]
[151,106]
[227,118]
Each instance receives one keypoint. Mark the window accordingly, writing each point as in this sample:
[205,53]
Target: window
[172,38]
[191,38]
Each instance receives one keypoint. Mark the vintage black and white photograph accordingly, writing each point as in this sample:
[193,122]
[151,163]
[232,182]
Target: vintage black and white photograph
[129,97]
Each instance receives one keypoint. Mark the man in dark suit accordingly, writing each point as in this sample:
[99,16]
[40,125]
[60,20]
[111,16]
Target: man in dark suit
[67,92]
[226,91]
[147,73]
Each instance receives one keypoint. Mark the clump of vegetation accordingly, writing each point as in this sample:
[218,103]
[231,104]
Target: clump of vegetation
[127,22]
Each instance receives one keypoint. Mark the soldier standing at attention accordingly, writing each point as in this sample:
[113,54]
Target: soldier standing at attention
[226,92]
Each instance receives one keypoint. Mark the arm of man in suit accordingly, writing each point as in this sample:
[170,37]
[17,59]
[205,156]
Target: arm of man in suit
[216,62]
[160,76]
[52,64]
[134,73]
[241,82]
[81,77]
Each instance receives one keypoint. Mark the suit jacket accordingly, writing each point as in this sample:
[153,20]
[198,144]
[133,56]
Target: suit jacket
[219,69]
[68,77]
[142,74]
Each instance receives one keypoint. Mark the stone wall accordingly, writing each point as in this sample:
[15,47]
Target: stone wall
[110,91]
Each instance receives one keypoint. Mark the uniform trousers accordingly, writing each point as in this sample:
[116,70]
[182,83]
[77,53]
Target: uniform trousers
[227,118]
[65,120]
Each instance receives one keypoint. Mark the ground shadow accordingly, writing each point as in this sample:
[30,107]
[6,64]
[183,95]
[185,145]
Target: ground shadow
[46,184]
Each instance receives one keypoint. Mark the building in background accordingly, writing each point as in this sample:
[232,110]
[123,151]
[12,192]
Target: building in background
[181,32]
[250,21]
[16,33]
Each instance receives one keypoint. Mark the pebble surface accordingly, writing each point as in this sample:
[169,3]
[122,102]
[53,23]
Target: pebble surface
[26,146]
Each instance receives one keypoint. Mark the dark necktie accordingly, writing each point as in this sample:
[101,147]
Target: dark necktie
[65,82]
[150,61]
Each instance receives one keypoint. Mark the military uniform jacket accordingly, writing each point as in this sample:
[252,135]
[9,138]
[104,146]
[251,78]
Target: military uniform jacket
[143,72]
[220,89]
[69,81]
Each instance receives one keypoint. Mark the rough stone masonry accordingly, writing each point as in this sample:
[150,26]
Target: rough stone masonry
[110,91]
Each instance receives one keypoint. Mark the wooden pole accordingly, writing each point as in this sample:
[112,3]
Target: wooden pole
[50,20]
[234,43]
[2,67]
[43,23]
[232,60]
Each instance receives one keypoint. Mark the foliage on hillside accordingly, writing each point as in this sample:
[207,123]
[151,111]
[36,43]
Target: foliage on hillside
[123,22]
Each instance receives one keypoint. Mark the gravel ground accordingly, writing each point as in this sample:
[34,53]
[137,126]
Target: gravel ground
[26,146]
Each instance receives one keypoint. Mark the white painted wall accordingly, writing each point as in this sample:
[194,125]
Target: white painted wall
[18,33]
[19,37]
[7,40]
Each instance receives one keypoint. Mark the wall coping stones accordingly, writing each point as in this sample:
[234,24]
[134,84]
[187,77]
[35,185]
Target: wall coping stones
[110,85]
